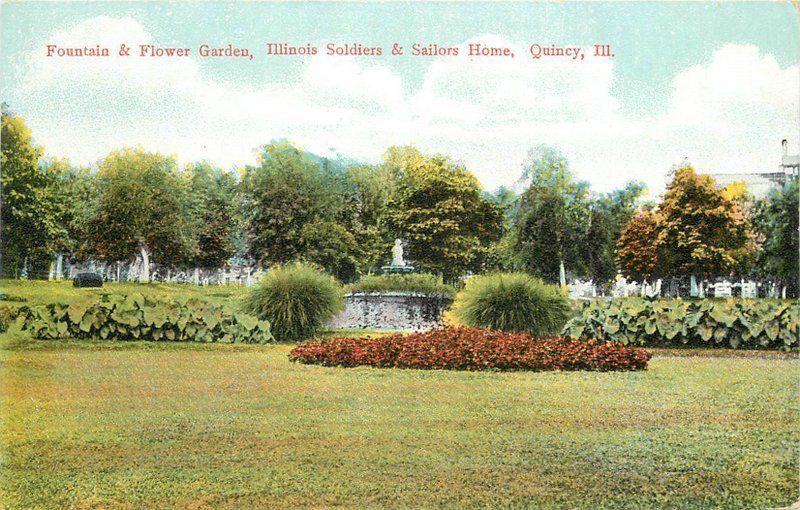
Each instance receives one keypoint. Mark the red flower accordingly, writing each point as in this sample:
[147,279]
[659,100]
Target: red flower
[472,349]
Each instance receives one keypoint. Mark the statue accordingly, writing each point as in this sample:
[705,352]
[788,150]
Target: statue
[397,254]
[398,265]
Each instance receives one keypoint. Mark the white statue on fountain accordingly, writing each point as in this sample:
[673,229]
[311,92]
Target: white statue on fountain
[397,254]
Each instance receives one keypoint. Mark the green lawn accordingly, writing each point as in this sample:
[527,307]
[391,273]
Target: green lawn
[42,291]
[129,425]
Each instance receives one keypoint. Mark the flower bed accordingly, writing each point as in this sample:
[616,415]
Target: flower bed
[471,349]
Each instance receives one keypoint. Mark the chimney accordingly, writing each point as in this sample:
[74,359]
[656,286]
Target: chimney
[785,145]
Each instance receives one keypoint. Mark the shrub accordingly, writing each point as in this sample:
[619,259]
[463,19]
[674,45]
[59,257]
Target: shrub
[746,323]
[512,302]
[87,280]
[471,349]
[12,298]
[134,317]
[420,283]
[297,300]
[7,315]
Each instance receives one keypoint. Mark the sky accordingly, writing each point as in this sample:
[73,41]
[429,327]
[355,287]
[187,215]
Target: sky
[716,84]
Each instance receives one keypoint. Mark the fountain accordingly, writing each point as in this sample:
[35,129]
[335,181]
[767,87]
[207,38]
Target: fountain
[407,311]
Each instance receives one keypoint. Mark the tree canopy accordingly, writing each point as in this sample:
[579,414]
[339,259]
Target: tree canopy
[141,208]
[552,215]
[776,218]
[698,231]
[29,224]
[438,207]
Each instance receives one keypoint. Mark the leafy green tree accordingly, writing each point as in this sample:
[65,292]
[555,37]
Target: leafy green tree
[608,215]
[437,206]
[501,255]
[29,215]
[141,211]
[370,188]
[73,192]
[776,220]
[292,199]
[212,201]
[552,215]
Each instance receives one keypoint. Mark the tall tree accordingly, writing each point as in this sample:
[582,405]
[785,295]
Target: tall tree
[141,211]
[212,208]
[702,232]
[776,220]
[552,216]
[437,206]
[74,193]
[28,211]
[608,215]
[293,200]
[371,187]
[637,246]
[501,254]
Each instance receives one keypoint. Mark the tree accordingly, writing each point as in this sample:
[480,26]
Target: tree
[637,246]
[74,193]
[608,215]
[141,211]
[552,215]
[776,220]
[698,231]
[702,232]
[370,188]
[292,201]
[437,206]
[28,212]
[212,208]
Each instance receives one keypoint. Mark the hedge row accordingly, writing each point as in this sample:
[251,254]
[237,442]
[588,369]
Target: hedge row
[738,323]
[471,349]
[134,317]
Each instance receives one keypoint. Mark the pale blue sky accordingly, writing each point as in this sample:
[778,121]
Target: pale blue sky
[666,54]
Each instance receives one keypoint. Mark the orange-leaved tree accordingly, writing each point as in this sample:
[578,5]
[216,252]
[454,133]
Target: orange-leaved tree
[696,230]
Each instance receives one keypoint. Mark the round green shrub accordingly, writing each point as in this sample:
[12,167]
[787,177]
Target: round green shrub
[512,302]
[297,300]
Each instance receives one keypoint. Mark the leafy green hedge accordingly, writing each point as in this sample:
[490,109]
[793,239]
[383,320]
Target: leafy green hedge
[745,323]
[134,317]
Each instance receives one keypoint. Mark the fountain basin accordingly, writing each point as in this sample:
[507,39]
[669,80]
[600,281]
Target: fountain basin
[392,311]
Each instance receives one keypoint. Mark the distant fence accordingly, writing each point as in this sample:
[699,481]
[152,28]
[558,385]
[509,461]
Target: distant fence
[242,274]
[720,287]
[131,271]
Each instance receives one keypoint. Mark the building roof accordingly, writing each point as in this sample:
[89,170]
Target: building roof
[758,184]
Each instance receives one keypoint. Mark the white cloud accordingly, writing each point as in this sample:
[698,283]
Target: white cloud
[727,114]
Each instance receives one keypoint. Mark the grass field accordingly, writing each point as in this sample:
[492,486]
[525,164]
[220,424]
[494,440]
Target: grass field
[40,291]
[183,425]
[132,425]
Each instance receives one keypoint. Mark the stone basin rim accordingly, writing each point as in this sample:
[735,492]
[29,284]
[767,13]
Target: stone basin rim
[398,293]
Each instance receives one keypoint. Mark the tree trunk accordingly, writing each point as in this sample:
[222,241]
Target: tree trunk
[59,266]
[144,276]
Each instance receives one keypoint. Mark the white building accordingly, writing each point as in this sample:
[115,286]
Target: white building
[759,184]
